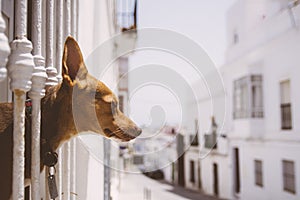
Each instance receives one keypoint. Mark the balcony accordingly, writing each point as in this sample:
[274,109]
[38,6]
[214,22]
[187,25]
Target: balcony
[127,15]
[127,24]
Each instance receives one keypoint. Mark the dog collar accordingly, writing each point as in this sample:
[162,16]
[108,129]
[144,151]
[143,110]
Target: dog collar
[50,158]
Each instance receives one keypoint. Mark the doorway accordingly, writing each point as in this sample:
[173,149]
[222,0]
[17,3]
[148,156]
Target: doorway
[216,179]
[236,162]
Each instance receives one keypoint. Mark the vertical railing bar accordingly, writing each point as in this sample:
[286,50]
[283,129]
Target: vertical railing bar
[73,142]
[66,172]
[19,145]
[20,19]
[67,161]
[59,37]
[59,173]
[73,169]
[67,18]
[20,68]
[4,48]
[77,21]
[73,18]
[37,92]
[51,71]
[59,50]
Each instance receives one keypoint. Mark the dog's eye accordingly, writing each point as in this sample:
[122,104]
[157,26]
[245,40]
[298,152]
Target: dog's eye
[98,96]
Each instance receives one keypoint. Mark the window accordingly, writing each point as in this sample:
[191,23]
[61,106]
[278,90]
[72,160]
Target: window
[248,97]
[285,105]
[258,172]
[192,171]
[288,176]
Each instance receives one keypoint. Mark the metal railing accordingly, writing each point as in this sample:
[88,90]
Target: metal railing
[27,72]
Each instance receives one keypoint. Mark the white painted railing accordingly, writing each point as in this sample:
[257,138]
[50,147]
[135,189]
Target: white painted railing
[67,146]
[4,48]
[36,93]
[59,53]
[73,142]
[32,73]
[59,37]
[51,71]
[20,68]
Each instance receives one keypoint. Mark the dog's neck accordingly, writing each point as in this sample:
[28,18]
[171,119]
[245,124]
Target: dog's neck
[57,119]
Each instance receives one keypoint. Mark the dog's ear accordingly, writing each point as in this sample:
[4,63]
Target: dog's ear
[72,64]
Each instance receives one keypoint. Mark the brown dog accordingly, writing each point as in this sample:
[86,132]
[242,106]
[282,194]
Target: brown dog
[67,109]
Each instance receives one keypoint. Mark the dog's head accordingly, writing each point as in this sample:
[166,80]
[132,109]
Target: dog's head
[92,99]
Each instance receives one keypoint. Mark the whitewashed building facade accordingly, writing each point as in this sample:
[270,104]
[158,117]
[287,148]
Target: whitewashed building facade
[257,151]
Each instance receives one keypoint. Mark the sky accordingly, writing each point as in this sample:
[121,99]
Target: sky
[204,22]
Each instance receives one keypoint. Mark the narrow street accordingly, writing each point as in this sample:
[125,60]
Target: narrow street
[140,187]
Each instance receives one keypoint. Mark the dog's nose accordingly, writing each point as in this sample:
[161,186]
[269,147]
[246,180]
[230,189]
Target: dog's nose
[138,131]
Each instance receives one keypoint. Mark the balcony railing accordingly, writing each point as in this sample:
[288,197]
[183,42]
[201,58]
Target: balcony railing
[29,72]
[286,116]
[210,141]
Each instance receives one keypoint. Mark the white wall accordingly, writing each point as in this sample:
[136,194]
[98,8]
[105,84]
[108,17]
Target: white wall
[95,26]
[89,173]
[191,155]
[278,60]
[224,175]
[271,154]
[268,45]
[269,48]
